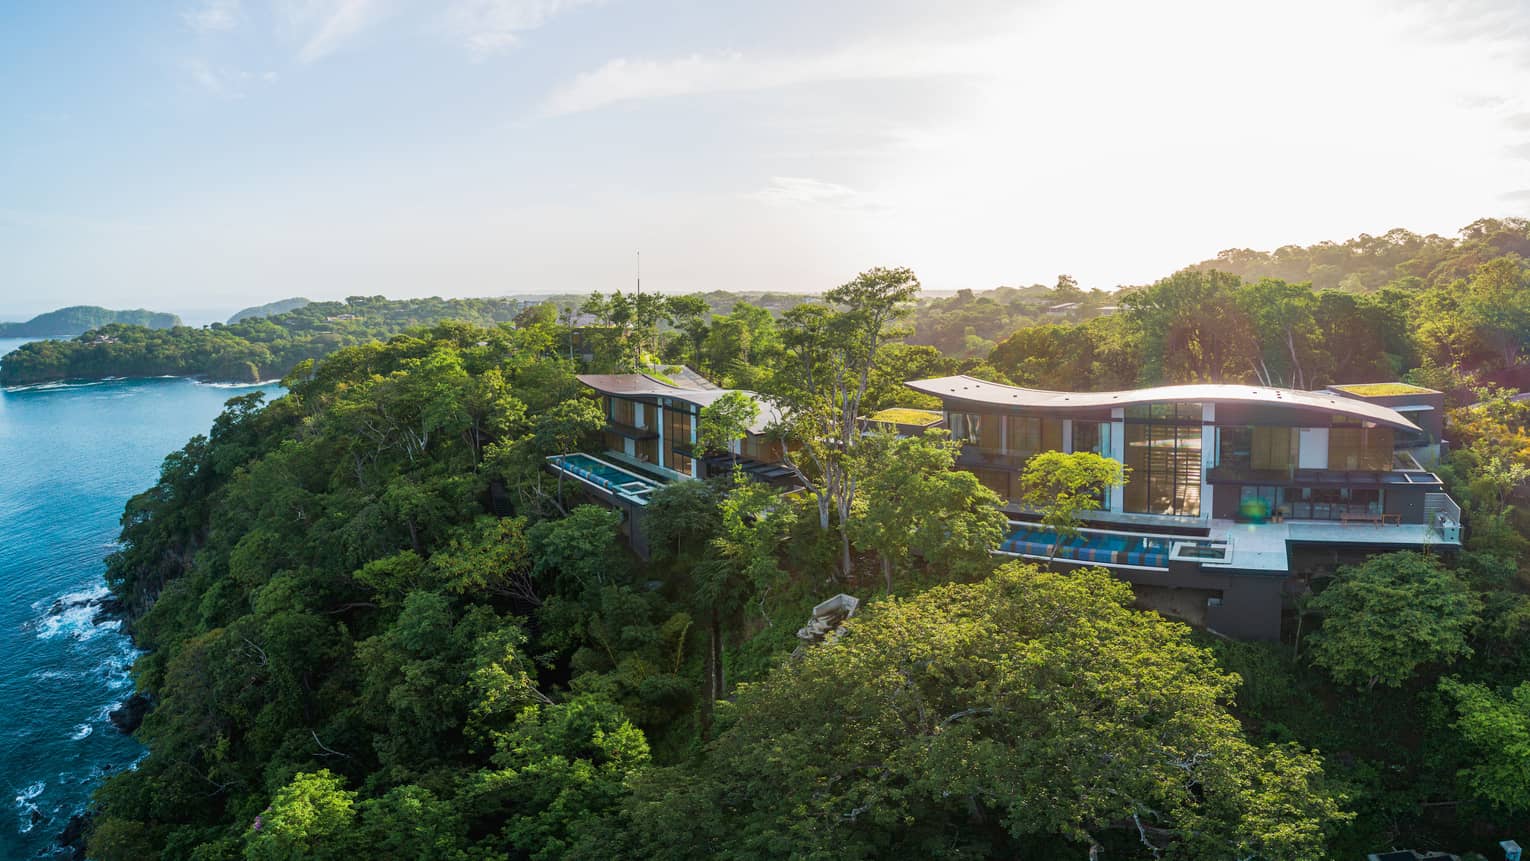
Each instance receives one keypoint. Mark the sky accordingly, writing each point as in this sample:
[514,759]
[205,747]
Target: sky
[205,155]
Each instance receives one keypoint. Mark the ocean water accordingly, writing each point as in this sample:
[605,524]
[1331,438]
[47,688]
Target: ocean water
[70,456]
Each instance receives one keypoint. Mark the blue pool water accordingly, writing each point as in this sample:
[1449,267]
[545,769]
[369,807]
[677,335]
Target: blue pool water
[70,456]
[605,474]
[1090,547]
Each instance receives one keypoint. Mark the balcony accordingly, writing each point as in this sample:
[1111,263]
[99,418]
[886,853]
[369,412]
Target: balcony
[631,432]
[1235,474]
[973,456]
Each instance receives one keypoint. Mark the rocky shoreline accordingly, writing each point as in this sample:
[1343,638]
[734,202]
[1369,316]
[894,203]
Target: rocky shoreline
[126,717]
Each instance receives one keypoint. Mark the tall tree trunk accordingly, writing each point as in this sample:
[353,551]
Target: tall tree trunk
[719,683]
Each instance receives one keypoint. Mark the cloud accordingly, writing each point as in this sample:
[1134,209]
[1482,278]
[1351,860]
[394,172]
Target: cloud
[801,191]
[329,23]
[213,16]
[1520,196]
[1519,150]
[220,81]
[211,80]
[1519,122]
[491,26]
[624,80]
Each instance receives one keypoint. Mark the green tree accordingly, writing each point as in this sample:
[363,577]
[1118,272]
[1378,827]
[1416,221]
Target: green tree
[556,772]
[1388,616]
[309,818]
[725,421]
[1018,715]
[690,315]
[832,349]
[912,503]
[1062,486]
[563,428]
[1497,730]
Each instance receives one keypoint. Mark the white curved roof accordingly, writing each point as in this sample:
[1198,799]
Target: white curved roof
[642,385]
[963,387]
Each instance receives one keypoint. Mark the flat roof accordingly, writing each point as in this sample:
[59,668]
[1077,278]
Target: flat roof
[1382,390]
[644,386]
[965,388]
[908,416]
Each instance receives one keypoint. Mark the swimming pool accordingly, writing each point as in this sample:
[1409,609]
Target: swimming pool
[606,476]
[1098,547]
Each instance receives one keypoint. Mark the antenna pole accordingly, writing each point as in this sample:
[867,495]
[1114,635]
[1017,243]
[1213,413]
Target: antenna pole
[640,272]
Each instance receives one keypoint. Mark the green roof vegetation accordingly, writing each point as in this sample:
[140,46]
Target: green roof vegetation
[1384,390]
[907,416]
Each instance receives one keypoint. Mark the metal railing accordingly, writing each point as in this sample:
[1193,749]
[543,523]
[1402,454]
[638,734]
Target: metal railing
[1443,515]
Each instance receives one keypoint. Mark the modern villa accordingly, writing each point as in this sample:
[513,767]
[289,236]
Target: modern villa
[650,440]
[1235,495]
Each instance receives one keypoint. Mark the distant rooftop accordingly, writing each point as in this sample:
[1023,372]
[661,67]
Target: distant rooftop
[1382,390]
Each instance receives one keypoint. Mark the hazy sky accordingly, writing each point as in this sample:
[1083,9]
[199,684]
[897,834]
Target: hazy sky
[214,154]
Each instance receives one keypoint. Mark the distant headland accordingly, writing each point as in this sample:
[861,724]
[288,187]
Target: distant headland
[76,320]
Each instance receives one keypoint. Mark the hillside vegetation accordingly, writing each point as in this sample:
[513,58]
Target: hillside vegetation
[270,309]
[378,629]
[79,319]
[255,349]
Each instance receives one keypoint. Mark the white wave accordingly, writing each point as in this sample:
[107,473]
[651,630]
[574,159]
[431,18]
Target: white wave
[61,384]
[82,731]
[49,675]
[237,385]
[25,797]
[75,617]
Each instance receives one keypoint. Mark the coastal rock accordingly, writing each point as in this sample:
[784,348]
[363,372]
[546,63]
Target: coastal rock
[73,835]
[108,609]
[62,605]
[129,716]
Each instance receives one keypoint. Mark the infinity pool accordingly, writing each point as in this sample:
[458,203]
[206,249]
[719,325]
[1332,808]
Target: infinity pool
[1150,552]
[606,476]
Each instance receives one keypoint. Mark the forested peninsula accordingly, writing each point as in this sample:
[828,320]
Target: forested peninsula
[251,350]
[378,627]
[79,319]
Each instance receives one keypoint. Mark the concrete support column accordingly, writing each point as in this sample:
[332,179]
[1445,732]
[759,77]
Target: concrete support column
[696,429]
[1118,452]
[1208,455]
[658,417]
[1067,436]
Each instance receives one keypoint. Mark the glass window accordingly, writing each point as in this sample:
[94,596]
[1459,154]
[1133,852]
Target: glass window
[1353,446]
[1235,447]
[677,432]
[1028,435]
[965,427]
[995,480]
[1273,448]
[1165,463]
[1092,436]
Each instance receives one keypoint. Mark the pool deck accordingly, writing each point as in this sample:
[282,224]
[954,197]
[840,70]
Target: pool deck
[1263,546]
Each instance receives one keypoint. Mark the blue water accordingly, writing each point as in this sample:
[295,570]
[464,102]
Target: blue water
[70,456]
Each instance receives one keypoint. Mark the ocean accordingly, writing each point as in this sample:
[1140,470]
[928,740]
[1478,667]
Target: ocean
[70,457]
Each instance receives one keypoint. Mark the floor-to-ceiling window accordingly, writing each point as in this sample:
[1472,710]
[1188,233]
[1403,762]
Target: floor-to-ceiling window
[979,429]
[677,432]
[1095,437]
[1027,436]
[1163,454]
[1354,446]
